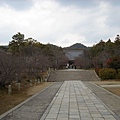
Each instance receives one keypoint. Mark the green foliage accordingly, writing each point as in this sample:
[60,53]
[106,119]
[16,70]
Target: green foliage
[117,40]
[118,74]
[16,43]
[109,47]
[107,73]
[114,62]
[118,70]
[98,48]
[21,46]
[106,54]
[18,37]
[103,47]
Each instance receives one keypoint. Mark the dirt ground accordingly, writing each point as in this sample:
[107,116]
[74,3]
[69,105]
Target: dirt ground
[9,101]
[115,90]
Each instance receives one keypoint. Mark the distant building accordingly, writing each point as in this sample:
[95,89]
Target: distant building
[72,53]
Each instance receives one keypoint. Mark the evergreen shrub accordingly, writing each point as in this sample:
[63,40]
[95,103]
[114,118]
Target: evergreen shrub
[118,74]
[107,73]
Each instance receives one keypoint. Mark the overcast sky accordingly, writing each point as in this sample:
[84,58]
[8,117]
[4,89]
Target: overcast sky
[60,22]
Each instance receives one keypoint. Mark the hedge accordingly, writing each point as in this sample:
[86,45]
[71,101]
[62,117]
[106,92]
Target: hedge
[107,73]
[118,74]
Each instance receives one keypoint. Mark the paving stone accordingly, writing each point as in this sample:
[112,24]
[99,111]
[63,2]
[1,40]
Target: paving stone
[98,119]
[74,106]
[51,116]
[72,101]
[112,101]
[61,118]
[96,115]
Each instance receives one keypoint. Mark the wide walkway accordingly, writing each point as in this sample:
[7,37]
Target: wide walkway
[75,101]
[72,97]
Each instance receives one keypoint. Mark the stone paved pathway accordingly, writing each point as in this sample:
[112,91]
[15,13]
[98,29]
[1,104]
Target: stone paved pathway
[73,74]
[75,101]
[109,99]
[34,107]
[72,101]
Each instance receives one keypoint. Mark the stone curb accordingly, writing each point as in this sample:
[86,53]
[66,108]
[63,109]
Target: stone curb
[22,103]
[97,75]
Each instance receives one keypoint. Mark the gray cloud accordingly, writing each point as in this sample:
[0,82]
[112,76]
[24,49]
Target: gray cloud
[60,23]
[78,3]
[17,4]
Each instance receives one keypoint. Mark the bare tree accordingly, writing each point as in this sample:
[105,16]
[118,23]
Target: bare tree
[9,66]
[36,64]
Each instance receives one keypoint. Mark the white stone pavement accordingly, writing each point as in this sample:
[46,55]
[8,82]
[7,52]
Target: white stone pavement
[75,101]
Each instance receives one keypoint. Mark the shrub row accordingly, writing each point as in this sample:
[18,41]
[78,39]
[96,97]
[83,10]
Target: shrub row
[108,73]
[118,74]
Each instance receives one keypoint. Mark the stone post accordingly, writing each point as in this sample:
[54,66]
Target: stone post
[38,81]
[9,89]
[35,81]
[19,86]
[41,79]
[45,79]
[47,73]
[31,83]
[49,70]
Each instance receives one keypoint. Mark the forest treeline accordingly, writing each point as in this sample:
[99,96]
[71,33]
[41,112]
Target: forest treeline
[29,58]
[101,55]
[106,54]
[104,57]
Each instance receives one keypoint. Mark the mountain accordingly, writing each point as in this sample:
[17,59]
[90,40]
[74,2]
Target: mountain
[77,46]
[74,51]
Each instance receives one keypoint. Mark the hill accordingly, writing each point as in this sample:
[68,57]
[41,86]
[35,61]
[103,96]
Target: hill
[77,46]
[74,51]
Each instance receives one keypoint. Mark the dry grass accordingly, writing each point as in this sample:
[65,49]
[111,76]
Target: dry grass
[108,82]
[9,101]
[115,90]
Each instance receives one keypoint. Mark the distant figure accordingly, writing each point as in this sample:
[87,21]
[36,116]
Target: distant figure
[72,66]
[67,66]
[75,67]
